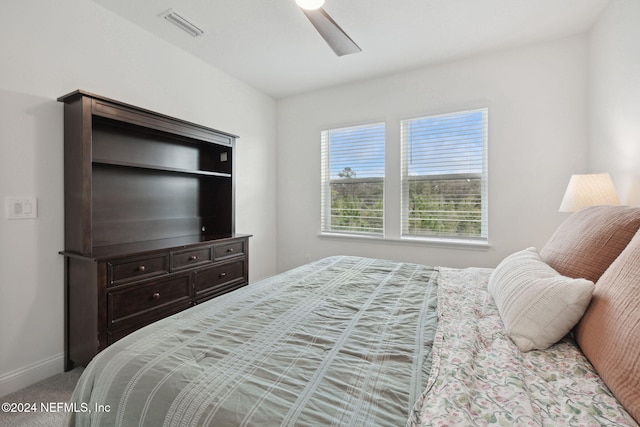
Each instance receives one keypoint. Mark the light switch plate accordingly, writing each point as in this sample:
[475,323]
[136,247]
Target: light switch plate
[21,207]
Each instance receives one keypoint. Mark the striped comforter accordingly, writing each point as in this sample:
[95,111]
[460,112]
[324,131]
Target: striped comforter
[342,341]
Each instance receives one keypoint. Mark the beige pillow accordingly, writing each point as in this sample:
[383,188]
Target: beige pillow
[587,242]
[609,332]
[538,306]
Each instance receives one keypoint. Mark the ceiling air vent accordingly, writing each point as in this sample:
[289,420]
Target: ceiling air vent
[182,23]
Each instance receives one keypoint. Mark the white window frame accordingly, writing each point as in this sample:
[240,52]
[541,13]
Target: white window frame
[360,149]
[457,172]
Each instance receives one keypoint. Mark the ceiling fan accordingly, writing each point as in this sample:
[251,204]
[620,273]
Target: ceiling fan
[330,31]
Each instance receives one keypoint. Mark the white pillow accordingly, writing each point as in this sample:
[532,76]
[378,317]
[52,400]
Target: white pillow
[538,306]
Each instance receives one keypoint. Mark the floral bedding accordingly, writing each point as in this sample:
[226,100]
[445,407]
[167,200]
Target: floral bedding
[479,377]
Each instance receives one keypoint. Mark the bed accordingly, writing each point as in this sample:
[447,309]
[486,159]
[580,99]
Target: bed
[359,341]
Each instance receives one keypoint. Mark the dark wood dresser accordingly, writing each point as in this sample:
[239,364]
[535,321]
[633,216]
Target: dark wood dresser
[149,220]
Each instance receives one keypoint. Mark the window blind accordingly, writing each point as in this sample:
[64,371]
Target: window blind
[444,176]
[353,180]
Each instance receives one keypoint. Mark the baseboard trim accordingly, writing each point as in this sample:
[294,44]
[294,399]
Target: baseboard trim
[31,374]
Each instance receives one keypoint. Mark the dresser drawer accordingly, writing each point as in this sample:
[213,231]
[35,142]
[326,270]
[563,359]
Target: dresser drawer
[148,300]
[126,270]
[220,277]
[190,258]
[227,250]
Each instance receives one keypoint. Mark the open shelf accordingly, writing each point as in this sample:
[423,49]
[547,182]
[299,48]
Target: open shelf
[123,144]
[107,162]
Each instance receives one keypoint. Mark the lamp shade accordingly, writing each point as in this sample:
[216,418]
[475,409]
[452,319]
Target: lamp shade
[589,190]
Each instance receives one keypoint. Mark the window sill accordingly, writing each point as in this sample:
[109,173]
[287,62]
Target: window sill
[412,241]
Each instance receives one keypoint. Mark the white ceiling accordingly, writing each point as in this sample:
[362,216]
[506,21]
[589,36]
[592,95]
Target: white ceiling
[270,44]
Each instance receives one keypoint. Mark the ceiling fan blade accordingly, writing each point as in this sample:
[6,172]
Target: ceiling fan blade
[331,32]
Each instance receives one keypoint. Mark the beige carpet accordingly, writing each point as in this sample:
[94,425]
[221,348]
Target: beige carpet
[52,392]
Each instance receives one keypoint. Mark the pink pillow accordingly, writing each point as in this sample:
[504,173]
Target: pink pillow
[609,332]
[587,242]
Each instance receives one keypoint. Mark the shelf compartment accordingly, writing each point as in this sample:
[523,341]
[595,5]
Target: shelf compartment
[134,204]
[128,145]
[107,162]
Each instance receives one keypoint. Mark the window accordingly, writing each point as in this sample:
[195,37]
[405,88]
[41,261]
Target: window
[444,176]
[353,180]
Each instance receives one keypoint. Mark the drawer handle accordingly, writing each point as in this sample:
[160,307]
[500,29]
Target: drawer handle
[193,258]
[156,295]
[142,268]
[222,274]
[230,250]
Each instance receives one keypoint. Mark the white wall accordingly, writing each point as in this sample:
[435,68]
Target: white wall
[537,100]
[48,49]
[614,87]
